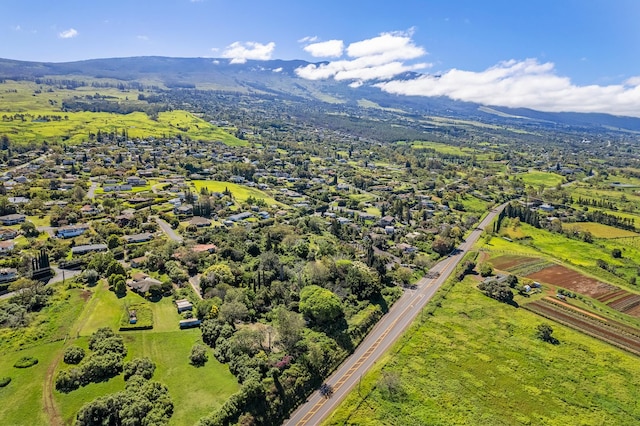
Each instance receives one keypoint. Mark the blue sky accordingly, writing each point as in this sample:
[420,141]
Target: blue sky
[494,52]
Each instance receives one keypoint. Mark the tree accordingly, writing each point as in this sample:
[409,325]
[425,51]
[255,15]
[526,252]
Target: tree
[544,332]
[198,355]
[29,229]
[616,253]
[113,241]
[321,305]
[115,268]
[289,326]
[142,367]
[73,355]
[233,311]
[485,269]
[442,245]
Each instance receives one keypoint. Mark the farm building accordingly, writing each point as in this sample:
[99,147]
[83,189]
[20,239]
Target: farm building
[184,305]
[188,323]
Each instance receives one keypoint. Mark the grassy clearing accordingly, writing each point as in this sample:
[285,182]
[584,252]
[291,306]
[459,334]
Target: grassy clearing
[441,148]
[22,399]
[212,384]
[106,310]
[477,361]
[239,192]
[541,178]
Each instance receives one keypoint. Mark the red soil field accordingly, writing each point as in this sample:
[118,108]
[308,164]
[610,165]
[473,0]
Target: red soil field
[571,280]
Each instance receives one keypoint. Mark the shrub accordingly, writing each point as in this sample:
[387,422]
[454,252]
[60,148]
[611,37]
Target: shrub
[73,355]
[25,362]
[4,381]
[198,355]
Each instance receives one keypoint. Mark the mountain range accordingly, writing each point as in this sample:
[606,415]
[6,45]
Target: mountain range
[278,78]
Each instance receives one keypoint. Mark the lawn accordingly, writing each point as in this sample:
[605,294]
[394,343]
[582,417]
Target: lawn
[477,361]
[106,309]
[441,148]
[240,192]
[541,178]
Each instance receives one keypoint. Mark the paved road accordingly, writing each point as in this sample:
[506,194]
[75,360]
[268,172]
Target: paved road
[166,228]
[57,277]
[195,284]
[91,193]
[15,169]
[383,335]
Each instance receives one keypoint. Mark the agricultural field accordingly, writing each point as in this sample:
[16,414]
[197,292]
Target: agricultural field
[483,365]
[442,148]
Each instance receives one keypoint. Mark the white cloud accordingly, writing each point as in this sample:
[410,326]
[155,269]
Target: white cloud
[279,69]
[70,33]
[380,57]
[524,84]
[240,52]
[143,37]
[325,49]
[17,28]
[308,39]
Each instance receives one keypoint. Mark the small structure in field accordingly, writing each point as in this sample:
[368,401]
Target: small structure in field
[184,305]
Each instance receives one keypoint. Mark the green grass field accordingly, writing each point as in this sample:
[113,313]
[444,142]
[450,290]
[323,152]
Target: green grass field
[167,345]
[599,230]
[195,392]
[240,192]
[441,148]
[478,362]
[74,127]
[541,178]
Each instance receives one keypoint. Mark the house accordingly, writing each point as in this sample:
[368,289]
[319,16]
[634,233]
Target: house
[18,200]
[183,305]
[12,219]
[264,215]
[8,274]
[184,210]
[7,234]
[138,238]
[123,219]
[141,282]
[407,248]
[239,216]
[546,208]
[6,246]
[89,209]
[136,181]
[199,222]
[138,262]
[387,220]
[88,248]
[71,230]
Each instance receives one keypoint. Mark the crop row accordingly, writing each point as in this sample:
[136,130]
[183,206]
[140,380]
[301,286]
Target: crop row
[626,303]
[615,325]
[587,325]
[611,295]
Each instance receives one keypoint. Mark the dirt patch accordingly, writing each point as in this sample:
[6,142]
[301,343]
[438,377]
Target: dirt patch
[506,262]
[571,280]
[50,407]
[612,295]
[85,295]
